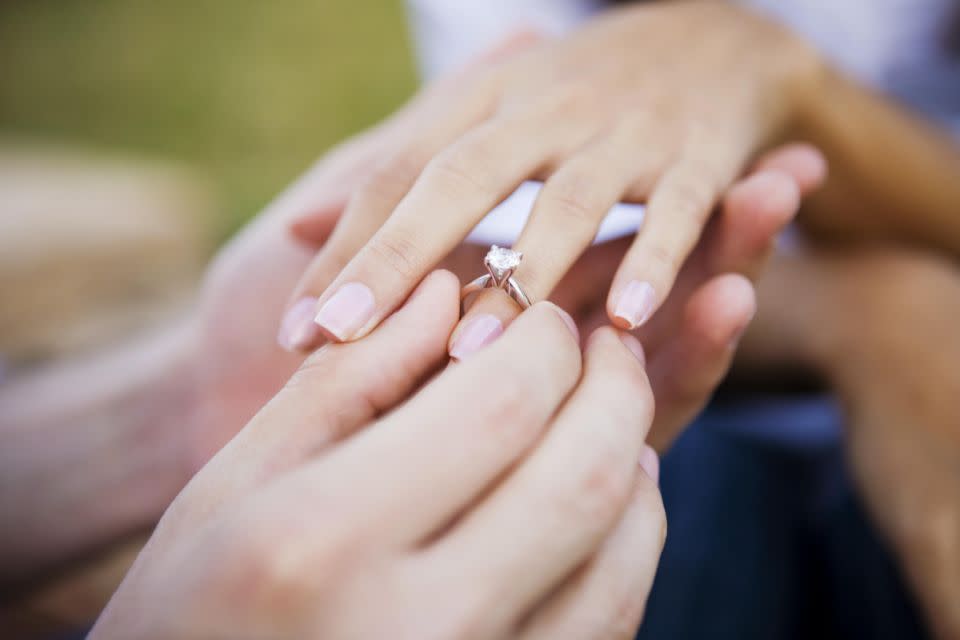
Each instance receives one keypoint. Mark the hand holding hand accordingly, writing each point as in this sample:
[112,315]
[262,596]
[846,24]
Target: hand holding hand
[601,122]
[499,501]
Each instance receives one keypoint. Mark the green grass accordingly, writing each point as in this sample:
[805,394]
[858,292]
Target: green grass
[246,92]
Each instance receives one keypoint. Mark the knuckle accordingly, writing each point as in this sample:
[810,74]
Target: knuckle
[270,566]
[566,199]
[398,254]
[663,260]
[691,198]
[391,180]
[461,171]
[603,488]
[514,408]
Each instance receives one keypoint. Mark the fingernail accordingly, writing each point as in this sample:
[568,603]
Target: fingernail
[297,331]
[650,463]
[635,304]
[634,346]
[568,320]
[347,311]
[477,333]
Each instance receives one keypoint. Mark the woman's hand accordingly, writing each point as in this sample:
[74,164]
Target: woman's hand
[663,103]
[504,499]
[690,342]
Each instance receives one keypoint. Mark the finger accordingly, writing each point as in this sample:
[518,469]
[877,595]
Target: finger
[606,597]
[676,214]
[562,225]
[439,121]
[738,240]
[360,156]
[415,470]
[802,162]
[554,510]
[755,211]
[456,189]
[688,367]
[759,207]
[342,387]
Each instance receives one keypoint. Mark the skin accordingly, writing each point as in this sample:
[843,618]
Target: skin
[388,533]
[198,383]
[600,124]
[690,343]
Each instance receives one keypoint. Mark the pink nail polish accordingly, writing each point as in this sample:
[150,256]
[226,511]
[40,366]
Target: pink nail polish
[477,333]
[297,331]
[346,311]
[650,463]
[635,304]
[634,346]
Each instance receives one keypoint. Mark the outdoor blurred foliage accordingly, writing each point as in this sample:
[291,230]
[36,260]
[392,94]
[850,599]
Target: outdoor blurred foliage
[244,92]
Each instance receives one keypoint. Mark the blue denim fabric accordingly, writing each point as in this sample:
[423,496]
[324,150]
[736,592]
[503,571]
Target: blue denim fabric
[767,538]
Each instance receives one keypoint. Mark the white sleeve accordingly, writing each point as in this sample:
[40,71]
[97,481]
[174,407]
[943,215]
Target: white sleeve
[448,33]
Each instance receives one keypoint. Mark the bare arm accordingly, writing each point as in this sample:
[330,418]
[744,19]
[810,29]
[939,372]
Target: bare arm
[893,175]
[90,451]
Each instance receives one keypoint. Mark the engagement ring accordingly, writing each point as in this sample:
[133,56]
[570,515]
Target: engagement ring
[500,264]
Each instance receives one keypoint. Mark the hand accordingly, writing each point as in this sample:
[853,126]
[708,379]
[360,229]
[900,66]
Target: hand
[691,341]
[237,364]
[499,501]
[601,122]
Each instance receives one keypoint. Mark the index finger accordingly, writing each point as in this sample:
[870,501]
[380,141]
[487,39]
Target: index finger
[456,189]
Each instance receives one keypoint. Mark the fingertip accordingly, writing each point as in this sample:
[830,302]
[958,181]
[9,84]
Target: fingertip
[632,305]
[722,308]
[568,320]
[313,229]
[804,162]
[770,196]
[439,293]
[633,345]
[473,334]
[444,282]
[564,317]
[607,335]
[650,463]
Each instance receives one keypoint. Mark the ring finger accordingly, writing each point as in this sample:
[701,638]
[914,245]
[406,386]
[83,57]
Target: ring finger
[562,225]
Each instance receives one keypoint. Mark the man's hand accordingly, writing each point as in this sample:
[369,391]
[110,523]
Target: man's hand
[504,499]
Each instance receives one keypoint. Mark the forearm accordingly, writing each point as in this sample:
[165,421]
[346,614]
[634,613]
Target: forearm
[90,451]
[892,175]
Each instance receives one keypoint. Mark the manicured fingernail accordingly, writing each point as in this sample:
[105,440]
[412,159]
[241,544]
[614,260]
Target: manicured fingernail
[634,346]
[478,332]
[635,304]
[297,331]
[347,311]
[568,320]
[650,463]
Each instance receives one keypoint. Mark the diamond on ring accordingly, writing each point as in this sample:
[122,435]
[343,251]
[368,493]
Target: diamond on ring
[501,262]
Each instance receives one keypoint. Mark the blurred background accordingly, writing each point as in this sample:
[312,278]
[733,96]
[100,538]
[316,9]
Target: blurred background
[135,136]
